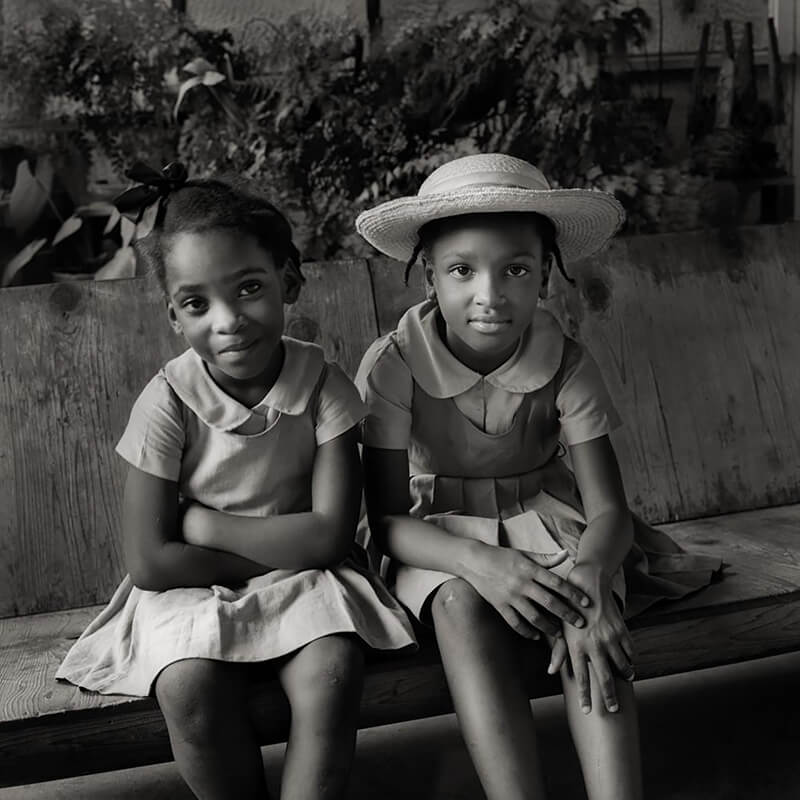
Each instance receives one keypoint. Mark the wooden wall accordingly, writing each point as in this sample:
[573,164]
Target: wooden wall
[699,347]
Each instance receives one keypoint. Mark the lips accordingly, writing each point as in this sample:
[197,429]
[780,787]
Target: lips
[237,347]
[489,324]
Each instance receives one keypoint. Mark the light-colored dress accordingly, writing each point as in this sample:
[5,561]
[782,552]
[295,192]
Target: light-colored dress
[486,452]
[253,462]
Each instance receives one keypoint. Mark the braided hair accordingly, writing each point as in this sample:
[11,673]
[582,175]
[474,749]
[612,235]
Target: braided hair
[544,225]
[199,206]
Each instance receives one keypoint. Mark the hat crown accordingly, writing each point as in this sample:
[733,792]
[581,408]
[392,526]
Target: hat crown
[489,169]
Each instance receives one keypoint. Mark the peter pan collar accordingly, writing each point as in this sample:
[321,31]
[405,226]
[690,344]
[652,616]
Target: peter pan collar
[440,374]
[189,378]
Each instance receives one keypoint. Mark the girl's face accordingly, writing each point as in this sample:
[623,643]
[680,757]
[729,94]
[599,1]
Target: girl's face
[487,272]
[225,294]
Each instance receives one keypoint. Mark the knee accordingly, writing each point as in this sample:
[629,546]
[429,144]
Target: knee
[193,696]
[330,677]
[458,606]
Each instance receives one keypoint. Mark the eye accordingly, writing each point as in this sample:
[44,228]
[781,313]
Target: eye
[517,270]
[249,288]
[194,305]
[460,271]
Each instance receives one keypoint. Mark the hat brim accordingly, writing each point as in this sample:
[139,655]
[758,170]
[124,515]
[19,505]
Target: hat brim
[584,219]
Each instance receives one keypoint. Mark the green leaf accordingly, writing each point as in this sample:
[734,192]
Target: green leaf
[68,227]
[21,259]
[30,194]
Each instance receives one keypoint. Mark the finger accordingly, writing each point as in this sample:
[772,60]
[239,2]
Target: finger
[537,616]
[580,671]
[555,583]
[558,655]
[553,605]
[519,624]
[621,661]
[606,683]
[548,560]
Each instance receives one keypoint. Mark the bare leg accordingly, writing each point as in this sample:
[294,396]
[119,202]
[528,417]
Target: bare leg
[323,683]
[212,737]
[607,744]
[481,657]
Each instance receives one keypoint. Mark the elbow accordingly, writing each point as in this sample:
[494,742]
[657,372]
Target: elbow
[146,575]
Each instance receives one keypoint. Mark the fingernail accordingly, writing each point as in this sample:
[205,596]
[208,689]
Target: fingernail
[551,670]
[585,602]
[579,623]
[586,709]
[631,676]
[613,708]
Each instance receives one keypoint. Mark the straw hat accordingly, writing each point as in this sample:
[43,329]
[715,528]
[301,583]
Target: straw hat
[493,182]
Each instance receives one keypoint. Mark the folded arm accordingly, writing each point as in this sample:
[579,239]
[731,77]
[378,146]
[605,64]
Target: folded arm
[156,556]
[317,538]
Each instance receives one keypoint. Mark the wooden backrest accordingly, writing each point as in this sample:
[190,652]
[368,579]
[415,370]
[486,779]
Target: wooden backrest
[699,350]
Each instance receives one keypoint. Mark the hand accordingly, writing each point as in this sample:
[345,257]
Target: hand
[195,526]
[605,641]
[518,583]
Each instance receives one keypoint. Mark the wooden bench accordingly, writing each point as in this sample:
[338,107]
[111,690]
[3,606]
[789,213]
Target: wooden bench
[699,347]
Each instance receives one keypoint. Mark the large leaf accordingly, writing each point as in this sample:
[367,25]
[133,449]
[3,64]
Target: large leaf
[121,265]
[30,193]
[197,80]
[20,260]
[197,66]
[126,228]
[68,227]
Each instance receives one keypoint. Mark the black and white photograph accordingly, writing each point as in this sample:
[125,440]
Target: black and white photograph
[399,399]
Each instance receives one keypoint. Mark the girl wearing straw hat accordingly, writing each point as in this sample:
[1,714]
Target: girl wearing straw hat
[492,539]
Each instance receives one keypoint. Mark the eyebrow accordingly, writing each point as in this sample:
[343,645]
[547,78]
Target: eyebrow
[466,255]
[189,288]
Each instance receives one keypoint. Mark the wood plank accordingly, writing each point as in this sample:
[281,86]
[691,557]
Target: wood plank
[50,729]
[698,345]
[336,310]
[73,358]
[96,740]
[392,296]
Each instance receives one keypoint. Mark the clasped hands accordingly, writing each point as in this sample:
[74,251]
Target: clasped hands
[579,615]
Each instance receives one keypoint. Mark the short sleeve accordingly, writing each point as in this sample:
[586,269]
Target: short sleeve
[585,408]
[387,386]
[154,438]
[339,406]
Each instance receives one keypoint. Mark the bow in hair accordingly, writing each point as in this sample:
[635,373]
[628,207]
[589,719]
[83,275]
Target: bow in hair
[154,187]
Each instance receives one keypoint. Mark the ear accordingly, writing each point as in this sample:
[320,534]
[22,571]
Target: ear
[173,319]
[430,286]
[291,283]
[546,268]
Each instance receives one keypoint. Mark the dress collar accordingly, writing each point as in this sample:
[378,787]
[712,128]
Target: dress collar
[440,374]
[189,378]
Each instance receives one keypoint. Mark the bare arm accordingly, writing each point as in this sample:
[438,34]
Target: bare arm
[318,538]
[605,642]
[517,584]
[156,556]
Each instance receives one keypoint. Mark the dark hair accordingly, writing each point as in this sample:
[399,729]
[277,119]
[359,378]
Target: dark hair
[544,225]
[205,205]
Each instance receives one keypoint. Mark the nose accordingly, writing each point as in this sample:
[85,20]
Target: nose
[488,290]
[227,318]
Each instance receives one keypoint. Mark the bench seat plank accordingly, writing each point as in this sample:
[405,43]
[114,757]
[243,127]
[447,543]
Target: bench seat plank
[50,730]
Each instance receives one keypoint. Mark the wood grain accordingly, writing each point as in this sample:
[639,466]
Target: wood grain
[73,356]
[50,730]
[698,344]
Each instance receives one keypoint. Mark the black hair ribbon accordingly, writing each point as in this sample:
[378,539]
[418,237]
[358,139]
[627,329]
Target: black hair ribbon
[154,187]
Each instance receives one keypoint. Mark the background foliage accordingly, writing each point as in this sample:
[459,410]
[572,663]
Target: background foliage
[327,131]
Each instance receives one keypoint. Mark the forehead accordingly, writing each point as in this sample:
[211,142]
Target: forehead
[519,232]
[209,256]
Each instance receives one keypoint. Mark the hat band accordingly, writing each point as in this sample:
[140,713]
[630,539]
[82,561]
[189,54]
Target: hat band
[475,179]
